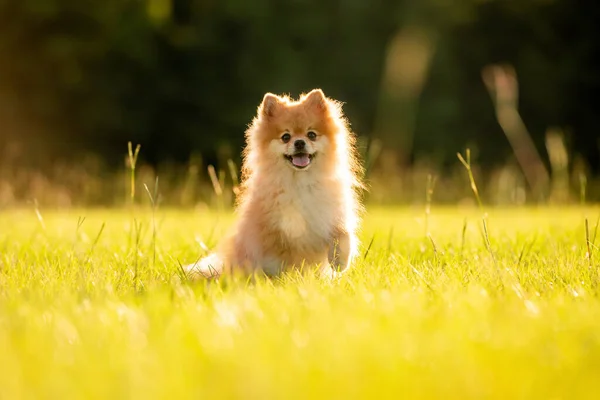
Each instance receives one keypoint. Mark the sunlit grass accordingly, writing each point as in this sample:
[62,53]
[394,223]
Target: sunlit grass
[91,306]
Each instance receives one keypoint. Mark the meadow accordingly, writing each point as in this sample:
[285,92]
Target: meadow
[93,304]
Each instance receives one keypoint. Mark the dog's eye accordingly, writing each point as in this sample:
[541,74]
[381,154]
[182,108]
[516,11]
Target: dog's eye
[312,136]
[286,137]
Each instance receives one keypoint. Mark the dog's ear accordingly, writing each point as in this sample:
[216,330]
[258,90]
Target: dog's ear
[315,100]
[270,105]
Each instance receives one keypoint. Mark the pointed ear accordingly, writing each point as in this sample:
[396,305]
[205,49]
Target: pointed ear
[315,100]
[270,105]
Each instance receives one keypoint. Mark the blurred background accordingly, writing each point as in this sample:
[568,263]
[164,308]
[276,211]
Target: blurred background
[514,81]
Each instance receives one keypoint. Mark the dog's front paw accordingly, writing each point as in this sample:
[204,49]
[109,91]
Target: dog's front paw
[209,267]
[329,273]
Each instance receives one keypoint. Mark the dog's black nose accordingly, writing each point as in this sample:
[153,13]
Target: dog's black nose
[299,144]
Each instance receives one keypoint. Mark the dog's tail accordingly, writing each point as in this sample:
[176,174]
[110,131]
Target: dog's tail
[209,267]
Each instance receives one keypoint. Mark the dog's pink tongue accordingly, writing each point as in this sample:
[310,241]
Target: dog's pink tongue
[300,160]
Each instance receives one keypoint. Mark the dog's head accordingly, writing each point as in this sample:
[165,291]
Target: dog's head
[296,134]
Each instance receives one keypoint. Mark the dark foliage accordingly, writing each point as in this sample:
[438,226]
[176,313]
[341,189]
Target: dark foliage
[185,76]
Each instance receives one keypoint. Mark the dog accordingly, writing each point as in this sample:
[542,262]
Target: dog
[298,205]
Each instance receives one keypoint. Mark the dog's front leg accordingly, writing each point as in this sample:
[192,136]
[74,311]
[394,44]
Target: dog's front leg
[339,252]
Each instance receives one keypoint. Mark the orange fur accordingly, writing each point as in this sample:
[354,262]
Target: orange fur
[290,217]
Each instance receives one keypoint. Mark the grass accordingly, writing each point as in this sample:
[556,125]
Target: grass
[92,306]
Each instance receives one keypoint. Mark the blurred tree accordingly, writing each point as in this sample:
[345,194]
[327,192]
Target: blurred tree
[180,76]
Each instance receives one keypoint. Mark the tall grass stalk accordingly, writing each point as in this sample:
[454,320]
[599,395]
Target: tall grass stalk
[466,162]
[133,157]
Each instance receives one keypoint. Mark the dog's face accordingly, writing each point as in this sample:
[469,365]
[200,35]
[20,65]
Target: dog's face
[299,147]
[298,134]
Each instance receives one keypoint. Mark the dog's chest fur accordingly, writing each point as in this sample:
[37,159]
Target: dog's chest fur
[306,213]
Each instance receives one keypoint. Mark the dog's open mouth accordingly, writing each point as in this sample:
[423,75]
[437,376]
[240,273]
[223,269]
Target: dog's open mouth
[300,160]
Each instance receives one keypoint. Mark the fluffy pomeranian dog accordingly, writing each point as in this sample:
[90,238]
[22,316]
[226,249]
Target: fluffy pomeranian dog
[299,206]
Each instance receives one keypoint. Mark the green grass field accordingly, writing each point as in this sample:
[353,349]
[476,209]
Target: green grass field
[92,306]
